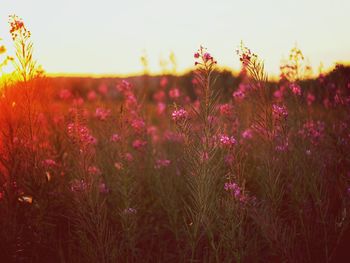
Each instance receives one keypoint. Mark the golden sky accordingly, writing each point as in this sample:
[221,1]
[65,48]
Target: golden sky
[109,36]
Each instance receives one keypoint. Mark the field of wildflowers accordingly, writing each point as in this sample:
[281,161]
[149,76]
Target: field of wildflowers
[205,167]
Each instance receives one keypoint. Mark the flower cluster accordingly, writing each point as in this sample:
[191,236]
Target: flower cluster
[115,138]
[227,141]
[102,114]
[295,88]
[160,163]
[139,144]
[179,115]
[226,109]
[126,89]
[17,27]
[245,55]
[241,92]
[310,98]
[236,191]
[80,134]
[279,112]
[204,58]
[138,125]
[313,130]
[247,134]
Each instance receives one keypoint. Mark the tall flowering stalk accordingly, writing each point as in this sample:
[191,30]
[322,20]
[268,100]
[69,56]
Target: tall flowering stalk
[24,63]
[201,156]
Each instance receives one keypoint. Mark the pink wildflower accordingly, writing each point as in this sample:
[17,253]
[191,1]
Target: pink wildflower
[138,125]
[163,82]
[91,95]
[227,141]
[279,112]
[174,93]
[81,134]
[129,157]
[138,144]
[103,89]
[161,107]
[295,88]
[179,115]
[102,114]
[65,94]
[247,134]
[160,163]
[226,109]
[115,138]
[310,98]
[235,190]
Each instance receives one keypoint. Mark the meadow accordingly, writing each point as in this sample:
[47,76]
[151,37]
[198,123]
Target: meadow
[204,167]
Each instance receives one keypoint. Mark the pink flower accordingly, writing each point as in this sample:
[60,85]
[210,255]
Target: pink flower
[279,112]
[278,94]
[313,130]
[65,94]
[102,114]
[227,141]
[245,55]
[91,95]
[81,134]
[207,57]
[138,125]
[179,115]
[247,134]
[310,98]
[160,163]
[129,157]
[78,101]
[161,107]
[17,27]
[163,82]
[203,57]
[238,95]
[295,88]
[226,109]
[115,138]
[159,96]
[103,89]
[124,87]
[138,144]
[236,191]
[229,159]
[174,93]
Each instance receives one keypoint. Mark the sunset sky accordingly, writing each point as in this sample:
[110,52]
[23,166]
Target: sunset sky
[109,36]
